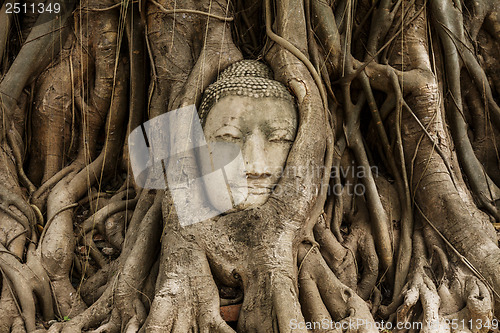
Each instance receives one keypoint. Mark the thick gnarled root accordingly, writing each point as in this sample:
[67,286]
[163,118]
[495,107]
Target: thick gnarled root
[477,313]
[270,302]
[186,296]
[456,302]
[324,299]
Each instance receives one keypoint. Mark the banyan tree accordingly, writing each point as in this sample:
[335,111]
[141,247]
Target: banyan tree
[367,133]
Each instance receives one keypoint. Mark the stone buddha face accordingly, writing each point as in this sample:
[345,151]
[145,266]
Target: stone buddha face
[264,130]
[249,122]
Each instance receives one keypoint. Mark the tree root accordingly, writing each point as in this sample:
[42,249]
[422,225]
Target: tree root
[185,299]
[259,252]
[28,279]
[324,298]
[458,302]
[57,246]
[342,258]
[136,268]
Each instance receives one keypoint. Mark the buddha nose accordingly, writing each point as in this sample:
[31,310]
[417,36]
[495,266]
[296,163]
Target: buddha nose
[254,153]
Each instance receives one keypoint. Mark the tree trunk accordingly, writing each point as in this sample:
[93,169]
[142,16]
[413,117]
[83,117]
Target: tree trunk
[386,211]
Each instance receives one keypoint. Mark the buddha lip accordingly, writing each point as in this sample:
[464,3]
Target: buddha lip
[254,188]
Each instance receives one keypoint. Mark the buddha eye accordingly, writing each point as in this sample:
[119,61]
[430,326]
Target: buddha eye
[280,136]
[228,133]
[227,136]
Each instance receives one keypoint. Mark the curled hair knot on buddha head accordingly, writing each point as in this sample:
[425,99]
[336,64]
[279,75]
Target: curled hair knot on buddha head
[250,78]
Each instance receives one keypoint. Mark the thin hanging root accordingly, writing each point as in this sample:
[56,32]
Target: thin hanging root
[354,139]
[405,246]
[191,11]
[338,212]
[460,256]
[38,214]
[449,23]
[475,70]
[326,28]
[378,214]
[19,161]
[317,209]
[404,251]
[296,52]
[434,143]
[136,37]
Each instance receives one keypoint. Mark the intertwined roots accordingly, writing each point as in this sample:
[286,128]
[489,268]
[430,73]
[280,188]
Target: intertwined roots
[404,92]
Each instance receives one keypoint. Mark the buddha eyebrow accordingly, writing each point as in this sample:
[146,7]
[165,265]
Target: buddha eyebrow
[288,131]
[283,125]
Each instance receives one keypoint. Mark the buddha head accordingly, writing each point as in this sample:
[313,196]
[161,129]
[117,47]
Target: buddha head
[245,107]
